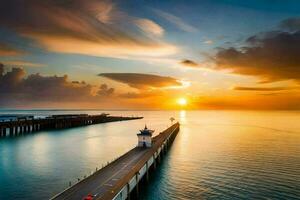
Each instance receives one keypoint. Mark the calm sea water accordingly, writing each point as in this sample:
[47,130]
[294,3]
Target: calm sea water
[216,155]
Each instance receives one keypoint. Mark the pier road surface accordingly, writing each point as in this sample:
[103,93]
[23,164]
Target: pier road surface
[106,183]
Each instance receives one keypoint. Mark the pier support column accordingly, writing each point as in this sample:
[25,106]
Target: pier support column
[137,185]
[154,162]
[158,156]
[4,132]
[167,143]
[11,130]
[128,191]
[147,172]
[17,130]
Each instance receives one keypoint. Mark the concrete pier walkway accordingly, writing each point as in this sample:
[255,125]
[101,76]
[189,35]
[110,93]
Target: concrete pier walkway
[119,178]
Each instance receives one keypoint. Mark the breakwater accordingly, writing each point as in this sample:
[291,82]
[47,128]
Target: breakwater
[28,124]
[120,179]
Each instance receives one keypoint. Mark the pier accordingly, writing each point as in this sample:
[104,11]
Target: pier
[28,124]
[121,179]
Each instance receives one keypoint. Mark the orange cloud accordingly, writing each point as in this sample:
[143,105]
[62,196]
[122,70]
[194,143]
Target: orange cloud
[119,48]
[148,26]
[77,27]
[261,88]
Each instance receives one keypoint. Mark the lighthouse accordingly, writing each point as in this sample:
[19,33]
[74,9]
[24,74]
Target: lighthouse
[145,137]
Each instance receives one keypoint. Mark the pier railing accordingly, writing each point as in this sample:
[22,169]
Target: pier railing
[160,144]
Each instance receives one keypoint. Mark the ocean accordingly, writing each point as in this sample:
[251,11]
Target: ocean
[216,155]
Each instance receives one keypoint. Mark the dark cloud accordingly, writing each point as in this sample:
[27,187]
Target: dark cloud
[189,63]
[142,81]
[77,26]
[132,95]
[6,50]
[140,95]
[271,94]
[1,69]
[272,56]
[291,24]
[104,90]
[17,89]
[261,88]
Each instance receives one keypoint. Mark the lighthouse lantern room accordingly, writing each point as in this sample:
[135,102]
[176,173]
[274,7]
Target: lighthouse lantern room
[145,137]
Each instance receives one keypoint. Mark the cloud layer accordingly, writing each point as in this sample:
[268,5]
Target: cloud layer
[177,21]
[142,81]
[150,27]
[20,63]
[272,56]
[96,28]
[291,24]
[35,90]
[17,89]
[265,89]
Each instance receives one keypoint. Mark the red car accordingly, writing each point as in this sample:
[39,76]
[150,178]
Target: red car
[88,197]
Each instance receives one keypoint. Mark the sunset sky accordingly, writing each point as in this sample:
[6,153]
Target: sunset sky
[138,54]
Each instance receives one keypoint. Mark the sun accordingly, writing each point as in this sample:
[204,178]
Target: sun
[182,101]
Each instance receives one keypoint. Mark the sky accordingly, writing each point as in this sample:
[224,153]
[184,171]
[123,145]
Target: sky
[138,54]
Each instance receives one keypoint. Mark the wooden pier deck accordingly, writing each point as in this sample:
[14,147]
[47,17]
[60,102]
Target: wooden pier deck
[116,180]
[28,124]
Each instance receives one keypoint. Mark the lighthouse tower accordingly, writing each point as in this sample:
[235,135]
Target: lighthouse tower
[145,137]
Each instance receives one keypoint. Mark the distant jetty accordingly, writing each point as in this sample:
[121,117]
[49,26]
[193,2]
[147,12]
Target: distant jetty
[17,125]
